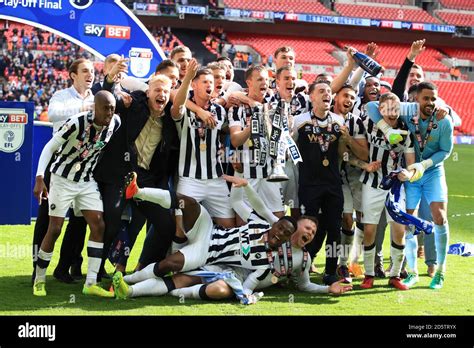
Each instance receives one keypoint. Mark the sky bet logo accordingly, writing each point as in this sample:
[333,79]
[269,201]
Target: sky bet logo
[107,31]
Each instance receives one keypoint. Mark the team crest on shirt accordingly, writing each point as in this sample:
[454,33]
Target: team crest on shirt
[435,125]
[245,244]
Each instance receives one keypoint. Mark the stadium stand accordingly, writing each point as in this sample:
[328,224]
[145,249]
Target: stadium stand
[455,17]
[458,4]
[460,96]
[393,2]
[401,13]
[308,51]
[33,69]
[392,55]
[303,6]
[459,53]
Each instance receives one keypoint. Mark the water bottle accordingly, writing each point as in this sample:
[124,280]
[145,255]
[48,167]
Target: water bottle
[367,63]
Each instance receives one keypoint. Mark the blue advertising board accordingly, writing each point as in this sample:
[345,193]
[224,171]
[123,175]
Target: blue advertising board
[101,27]
[16,146]
[42,133]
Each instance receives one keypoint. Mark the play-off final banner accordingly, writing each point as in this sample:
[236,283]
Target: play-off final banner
[101,27]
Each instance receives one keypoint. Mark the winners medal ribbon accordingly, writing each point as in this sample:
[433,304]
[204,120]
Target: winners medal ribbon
[422,142]
[323,139]
[275,274]
[84,150]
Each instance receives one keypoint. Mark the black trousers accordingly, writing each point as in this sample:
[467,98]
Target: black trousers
[330,200]
[73,240]
[114,203]
[133,229]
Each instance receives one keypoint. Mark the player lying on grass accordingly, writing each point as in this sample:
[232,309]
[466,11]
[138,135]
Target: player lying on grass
[222,281]
[251,246]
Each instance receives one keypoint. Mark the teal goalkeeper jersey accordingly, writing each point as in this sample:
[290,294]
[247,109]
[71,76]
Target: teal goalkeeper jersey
[440,141]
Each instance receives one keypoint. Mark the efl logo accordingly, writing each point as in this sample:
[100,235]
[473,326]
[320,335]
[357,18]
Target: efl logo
[107,31]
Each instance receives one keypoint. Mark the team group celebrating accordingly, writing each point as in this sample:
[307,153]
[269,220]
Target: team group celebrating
[241,185]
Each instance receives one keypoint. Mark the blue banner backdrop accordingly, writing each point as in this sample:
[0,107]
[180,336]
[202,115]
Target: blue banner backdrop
[16,146]
[101,27]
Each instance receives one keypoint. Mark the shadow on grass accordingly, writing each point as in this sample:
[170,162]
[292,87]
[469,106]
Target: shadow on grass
[17,296]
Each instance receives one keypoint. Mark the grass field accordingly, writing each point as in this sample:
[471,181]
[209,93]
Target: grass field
[454,299]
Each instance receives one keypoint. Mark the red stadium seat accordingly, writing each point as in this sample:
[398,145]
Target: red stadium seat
[458,4]
[390,13]
[308,51]
[456,18]
[459,53]
[460,96]
[392,55]
[394,2]
[297,6]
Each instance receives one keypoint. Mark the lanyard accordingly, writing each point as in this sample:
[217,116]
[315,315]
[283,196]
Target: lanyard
[323,143]
[422,142]
[289,257]
[83,154]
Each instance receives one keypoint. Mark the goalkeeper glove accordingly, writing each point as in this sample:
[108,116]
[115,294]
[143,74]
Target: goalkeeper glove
[394,136]
[419,169]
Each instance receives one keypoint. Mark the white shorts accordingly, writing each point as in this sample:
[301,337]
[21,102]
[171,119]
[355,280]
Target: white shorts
[213,194]
[199,237]
[63,192]
[269,192]
[373,204]
[352,190]
[290,186]
[352,197]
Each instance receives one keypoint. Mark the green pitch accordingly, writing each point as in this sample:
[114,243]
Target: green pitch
[454,299]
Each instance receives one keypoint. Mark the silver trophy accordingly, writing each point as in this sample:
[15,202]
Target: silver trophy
[277,129]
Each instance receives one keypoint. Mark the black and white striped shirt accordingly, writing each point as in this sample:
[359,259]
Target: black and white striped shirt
[359,109]
[251,167]
[201,148]
[242,246]
[82,141]
[356,128]
[379,150]
[299,104]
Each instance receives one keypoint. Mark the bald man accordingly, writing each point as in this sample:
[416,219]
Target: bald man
[77,145]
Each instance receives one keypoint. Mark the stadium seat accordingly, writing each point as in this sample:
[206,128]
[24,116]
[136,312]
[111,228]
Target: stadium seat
[393,2]
[392,55]
[308,51]
[459,53]
[458,4]
[297,6]
[401,13]
[456,18]
[460,96]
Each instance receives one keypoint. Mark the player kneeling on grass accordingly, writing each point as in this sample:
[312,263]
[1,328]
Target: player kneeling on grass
[252,246]
[77,145]
[373,198]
